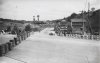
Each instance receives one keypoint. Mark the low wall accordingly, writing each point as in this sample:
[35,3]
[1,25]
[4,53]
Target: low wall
[8,46]
[88,37]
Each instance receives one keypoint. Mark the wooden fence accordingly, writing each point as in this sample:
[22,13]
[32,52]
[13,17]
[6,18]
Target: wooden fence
[88,37]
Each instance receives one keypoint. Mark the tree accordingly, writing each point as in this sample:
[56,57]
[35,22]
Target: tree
[73,15]
[8,29]
[15,30]
[95,21]
[28,27]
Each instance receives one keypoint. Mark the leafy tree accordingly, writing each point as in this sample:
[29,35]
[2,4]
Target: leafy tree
[95,21]
[15,30]
[8,29]
[73,15]
[28,27]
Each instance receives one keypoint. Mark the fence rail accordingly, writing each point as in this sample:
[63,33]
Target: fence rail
[88,37]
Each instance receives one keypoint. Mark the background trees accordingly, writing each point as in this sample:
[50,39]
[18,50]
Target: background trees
[28,27]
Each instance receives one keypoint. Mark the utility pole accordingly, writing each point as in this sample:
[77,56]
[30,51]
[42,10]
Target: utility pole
[88,6]
[83,30]
[83,21]
[89,18]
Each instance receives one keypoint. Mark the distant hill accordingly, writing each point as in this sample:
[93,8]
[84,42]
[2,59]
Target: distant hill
[10,20]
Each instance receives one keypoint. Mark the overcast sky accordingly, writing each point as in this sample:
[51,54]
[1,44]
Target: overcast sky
[47,9]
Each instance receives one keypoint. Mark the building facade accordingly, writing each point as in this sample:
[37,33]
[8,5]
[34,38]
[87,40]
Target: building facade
[78,26]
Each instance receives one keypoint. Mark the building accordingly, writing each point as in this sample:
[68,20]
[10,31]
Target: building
[63,27]
[95,22]
[78,25]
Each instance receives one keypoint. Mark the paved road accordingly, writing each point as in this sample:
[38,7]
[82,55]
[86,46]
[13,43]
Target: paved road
[43,48]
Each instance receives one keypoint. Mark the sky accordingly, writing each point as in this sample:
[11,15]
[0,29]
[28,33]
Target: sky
[47,9]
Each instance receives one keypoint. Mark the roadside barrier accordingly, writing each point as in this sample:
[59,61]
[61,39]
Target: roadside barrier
[2,50]
[21,35]
[16,42]
[19,39]
[8,46]
[88,37]
[13,43]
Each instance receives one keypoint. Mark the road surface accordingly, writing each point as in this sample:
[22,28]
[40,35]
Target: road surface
[40,47]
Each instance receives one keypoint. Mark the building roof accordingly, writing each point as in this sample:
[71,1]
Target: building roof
[78,20]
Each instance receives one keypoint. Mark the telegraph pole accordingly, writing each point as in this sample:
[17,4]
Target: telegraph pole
[83,30]
[83,21]
[89,18]
[88,6]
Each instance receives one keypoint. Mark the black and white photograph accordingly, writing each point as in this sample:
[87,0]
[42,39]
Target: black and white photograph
[49,31]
